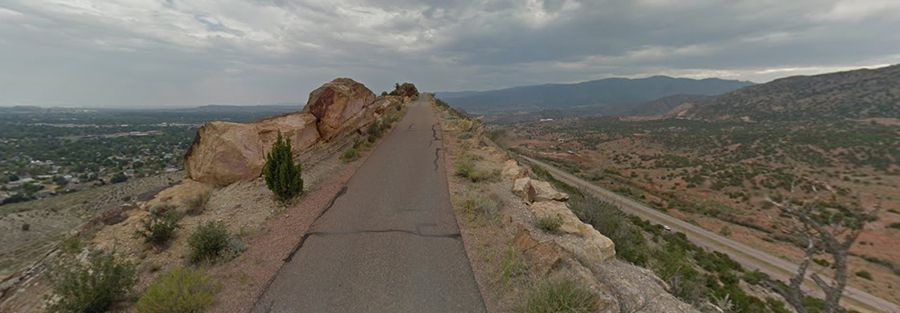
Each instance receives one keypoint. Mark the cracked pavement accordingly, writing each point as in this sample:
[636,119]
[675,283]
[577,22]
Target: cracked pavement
[390,242]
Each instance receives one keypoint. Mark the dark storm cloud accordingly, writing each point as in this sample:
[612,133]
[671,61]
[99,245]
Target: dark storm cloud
[181,53]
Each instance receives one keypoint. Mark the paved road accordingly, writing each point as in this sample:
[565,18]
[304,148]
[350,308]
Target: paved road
[748,256]
[390,243]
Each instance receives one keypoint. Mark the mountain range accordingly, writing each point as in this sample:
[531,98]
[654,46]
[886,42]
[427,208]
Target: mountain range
[603,96]
[856,94]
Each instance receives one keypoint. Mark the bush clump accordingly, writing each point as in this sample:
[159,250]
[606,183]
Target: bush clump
[158,228]
[281,173]
[182,290]
[549,224]
[208,241]
[350,155]
[465,167]
[559,296]
[864,274]
[477,205]
[90,286]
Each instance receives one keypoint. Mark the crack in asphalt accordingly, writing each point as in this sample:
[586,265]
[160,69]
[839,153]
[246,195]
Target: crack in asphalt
[410,126]
[436,157]
[382,231]
[303,239]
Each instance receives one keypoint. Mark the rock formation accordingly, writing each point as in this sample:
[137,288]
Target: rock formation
[226,152]
[336,103]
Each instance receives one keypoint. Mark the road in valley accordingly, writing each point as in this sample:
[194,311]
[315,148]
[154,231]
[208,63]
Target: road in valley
[747,256]
[390,242]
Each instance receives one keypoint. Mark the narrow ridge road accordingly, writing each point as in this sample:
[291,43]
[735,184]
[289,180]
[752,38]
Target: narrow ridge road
[390,242]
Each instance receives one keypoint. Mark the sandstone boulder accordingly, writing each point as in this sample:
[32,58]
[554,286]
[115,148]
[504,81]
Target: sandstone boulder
[522,188]
[512,170]
[336,104]
[225,152]
[570,223]
[589,246]
[532,190]
[543,191]
[541,257]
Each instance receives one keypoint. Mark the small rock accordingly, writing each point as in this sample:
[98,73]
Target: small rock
[542,257]
[26,227]
[522,188]
[544,191]
[512,170]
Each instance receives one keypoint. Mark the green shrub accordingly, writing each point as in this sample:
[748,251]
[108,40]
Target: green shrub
[561,296]
[208,241]
[90,286]
[549,224]
[864,274]
[465,167]
[350,155]
[71,245]
[158,228]
[182,290]
[894,225]
[281,173]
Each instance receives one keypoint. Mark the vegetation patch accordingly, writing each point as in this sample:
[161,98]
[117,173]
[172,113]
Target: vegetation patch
[350,155]
[479,206]
[91,286]
[864,274]
[549,224]
[559,296]
[183,290]
[208,242]
[158,228]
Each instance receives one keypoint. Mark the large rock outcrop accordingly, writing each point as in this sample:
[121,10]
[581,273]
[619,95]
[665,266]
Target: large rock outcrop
[226,152]
[337,103]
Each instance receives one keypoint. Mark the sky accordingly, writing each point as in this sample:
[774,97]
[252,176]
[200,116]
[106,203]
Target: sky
[179,53]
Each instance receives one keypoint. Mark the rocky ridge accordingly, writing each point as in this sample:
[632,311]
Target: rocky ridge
[226,152]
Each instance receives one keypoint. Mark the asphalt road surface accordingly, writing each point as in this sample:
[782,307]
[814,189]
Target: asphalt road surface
[390,242]
[748,256]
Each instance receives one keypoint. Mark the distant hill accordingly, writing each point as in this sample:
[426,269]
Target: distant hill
[215,108]
[659,106]
[853,94]
[611,92]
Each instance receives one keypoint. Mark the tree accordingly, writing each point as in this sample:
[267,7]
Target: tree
[281,173]
[822,228]
[118,178]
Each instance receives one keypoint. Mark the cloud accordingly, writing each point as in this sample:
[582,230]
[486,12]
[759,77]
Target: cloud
[186,53]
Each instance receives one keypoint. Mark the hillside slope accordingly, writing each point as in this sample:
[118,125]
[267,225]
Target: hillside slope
[863,93]
[597,93]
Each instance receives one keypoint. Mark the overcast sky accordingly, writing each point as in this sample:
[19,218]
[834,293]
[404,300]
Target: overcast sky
[166,53]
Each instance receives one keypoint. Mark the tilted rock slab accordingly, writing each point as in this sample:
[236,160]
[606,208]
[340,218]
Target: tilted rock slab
[226,152]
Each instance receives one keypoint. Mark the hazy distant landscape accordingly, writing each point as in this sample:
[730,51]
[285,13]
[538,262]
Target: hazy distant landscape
[51,151]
